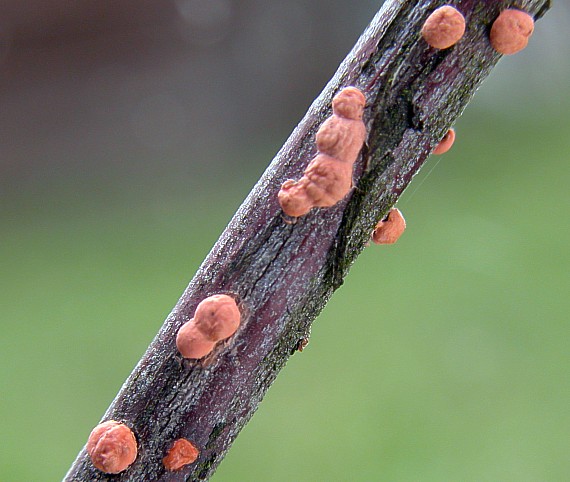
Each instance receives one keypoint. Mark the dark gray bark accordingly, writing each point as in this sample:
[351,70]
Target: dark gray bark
[284,273]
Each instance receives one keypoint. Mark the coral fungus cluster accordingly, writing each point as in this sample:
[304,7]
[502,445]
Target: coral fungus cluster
[328,177]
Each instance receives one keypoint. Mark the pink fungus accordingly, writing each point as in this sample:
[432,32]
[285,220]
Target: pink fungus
[216,318]
[446,143]
[112,447]
[389,229]
[328,177]
[511,31]
[444,27]
[182,452]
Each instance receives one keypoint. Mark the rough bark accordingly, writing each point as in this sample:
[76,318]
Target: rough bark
[284,273]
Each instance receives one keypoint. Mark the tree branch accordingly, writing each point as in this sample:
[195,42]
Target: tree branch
[283,274]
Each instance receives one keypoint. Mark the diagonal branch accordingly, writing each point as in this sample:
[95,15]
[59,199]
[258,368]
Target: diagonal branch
[283,274]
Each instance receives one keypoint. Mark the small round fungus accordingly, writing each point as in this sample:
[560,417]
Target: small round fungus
[444,27]
[389,229]
[511,31]
[191,342]
[182,452]
[112,447]
[446,143]
[216,318]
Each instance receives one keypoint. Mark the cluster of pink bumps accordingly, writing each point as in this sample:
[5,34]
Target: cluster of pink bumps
[509,33]
[112,446]
[328,177]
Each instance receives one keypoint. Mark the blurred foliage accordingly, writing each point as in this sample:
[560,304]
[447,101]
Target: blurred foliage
[443,357]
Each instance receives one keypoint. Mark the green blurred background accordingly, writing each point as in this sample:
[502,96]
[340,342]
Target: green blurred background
[130,134]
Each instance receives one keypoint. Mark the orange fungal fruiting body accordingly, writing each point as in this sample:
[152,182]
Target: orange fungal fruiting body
[112,447]
[328,177]
[511,31]
[446,143]
[182,452]
[216,318]
[390,229]
[444,27]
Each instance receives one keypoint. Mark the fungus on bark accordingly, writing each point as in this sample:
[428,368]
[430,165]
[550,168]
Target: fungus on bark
[112,447]
[511,30]
[389,230]
[286,274]
[444,27]
[216,318]
[446,143]
[328,177]
[182,452]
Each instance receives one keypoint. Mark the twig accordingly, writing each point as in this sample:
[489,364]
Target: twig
[284,273]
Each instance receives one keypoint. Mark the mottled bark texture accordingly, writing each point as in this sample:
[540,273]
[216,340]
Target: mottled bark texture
[282,273]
